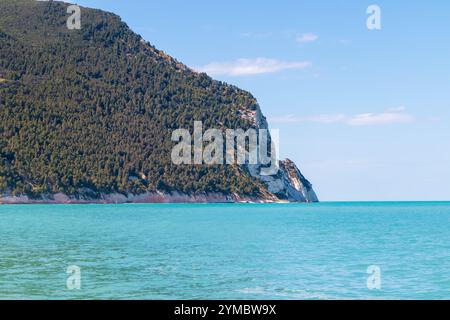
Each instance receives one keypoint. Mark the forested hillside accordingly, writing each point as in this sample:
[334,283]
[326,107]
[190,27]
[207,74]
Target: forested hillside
[90,112]
[93,109]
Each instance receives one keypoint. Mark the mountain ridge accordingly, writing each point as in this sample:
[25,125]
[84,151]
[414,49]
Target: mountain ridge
[86,116]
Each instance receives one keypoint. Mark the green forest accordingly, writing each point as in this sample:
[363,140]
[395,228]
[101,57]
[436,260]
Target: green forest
[91,111]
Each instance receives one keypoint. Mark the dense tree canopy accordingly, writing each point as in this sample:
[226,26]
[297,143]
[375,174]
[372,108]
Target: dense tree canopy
[92,110]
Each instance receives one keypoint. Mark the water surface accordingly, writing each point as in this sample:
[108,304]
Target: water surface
[223,251]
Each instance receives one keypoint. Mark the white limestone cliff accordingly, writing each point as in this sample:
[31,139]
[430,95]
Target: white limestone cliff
[288,184]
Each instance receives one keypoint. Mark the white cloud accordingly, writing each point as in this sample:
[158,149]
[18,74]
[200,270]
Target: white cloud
[307,37]
[245,67]
[391,116]
[380,118]
[397,109]
[257,35]
[434,119]
[344,41]
[326,118]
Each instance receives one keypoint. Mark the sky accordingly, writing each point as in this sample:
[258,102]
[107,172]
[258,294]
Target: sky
[364,113]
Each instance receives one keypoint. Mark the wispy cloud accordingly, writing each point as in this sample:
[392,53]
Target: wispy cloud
[367,119]
[391,116]
[245,67]
[434,119]
[257,35]
[307,37]
[397,109]
[286,34]
[344,41]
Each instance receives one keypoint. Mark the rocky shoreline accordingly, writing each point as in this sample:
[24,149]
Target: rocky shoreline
[289,185]
[150,197]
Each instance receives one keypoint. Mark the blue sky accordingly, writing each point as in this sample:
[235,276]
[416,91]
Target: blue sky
[364,113]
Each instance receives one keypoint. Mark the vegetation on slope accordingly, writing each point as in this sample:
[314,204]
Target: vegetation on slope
[92,110]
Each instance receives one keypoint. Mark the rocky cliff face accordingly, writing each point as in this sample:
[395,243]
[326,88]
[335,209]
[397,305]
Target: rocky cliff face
[296,187]
[288,184]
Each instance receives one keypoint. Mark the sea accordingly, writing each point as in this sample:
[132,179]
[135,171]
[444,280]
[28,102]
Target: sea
[365,250]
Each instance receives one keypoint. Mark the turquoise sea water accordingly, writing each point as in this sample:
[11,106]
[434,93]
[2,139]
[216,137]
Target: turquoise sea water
[280,251]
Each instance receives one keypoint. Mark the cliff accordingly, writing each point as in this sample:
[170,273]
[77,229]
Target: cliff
[86,116]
